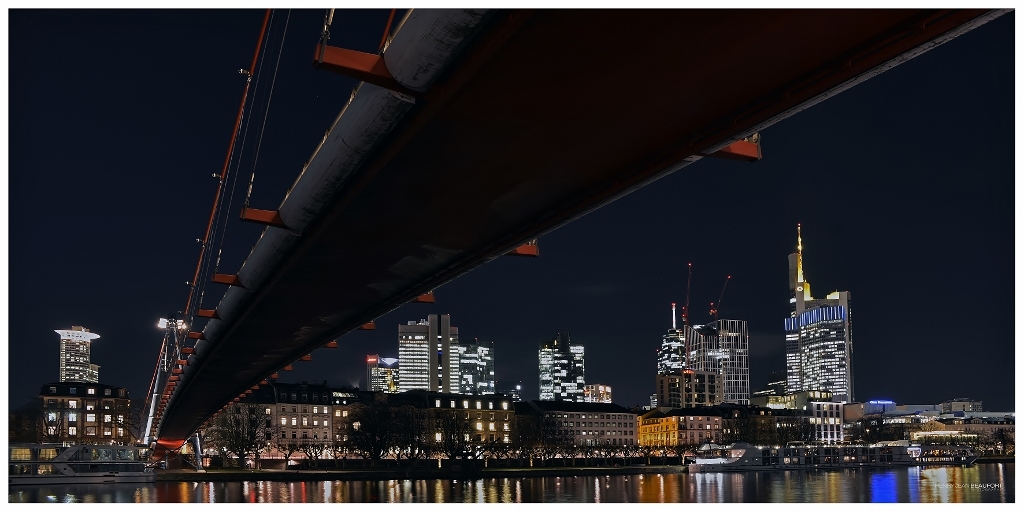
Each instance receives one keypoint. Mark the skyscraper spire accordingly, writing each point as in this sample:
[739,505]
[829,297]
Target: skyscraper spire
[799,256]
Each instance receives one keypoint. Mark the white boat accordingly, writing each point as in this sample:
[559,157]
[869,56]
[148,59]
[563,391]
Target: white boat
[745,457]
[36,464]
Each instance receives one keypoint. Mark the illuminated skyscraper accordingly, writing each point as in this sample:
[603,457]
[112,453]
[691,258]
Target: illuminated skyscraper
[75,365]
[428,353]
[561,370]
[819,343]
[476,367]
[721,347]
[671,357]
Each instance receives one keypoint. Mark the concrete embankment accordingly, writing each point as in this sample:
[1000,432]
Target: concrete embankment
[240,475]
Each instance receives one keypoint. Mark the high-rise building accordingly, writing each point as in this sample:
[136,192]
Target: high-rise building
[671,355]
[382,373]
[721,347]
[75,365]
[689,388]
[561,369]
[428,354]
[476,367]
[819,342]
[597,393]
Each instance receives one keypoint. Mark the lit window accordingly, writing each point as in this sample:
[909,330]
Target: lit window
[437,403]
[106,418]
[91,391]
[72,416]
[344,414]
[72,431]
[479,425]
[504,405]
[90,417]
[316,410]
[295,421]
[437,437]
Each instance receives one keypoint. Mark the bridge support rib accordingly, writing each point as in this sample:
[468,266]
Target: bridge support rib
[367,67]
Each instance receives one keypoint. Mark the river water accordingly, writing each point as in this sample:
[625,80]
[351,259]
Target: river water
[947,484]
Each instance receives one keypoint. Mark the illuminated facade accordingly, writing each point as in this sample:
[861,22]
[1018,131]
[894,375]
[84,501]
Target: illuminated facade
[476,368]
[597,393]
[382,373]
[561,370]
[680,427]
[428,353]
[819,342]
[85,413]
[671,355]
[75,365]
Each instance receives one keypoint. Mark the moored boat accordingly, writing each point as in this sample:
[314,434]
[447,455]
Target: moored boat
[79,463]
[746,457]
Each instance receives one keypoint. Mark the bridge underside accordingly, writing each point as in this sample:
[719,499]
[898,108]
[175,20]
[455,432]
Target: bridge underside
[544,116]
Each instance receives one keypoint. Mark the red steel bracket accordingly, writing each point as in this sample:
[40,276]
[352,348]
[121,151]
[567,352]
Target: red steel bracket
[530,249]
[368,326]
[230,279]
[367,67]
[742,150]
[427,298]
[207,313]
[265,217]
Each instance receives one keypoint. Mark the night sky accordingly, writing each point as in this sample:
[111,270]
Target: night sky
[904,187]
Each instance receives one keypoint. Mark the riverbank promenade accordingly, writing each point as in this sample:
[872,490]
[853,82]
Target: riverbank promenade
[292,475]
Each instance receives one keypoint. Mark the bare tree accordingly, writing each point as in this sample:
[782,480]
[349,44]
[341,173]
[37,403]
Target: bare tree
[453,436]
[241,430]
[314,449]
[373,430]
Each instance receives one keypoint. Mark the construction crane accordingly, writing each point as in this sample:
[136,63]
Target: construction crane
[714,308]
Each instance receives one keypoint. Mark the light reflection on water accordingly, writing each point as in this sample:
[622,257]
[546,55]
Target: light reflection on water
[946,484]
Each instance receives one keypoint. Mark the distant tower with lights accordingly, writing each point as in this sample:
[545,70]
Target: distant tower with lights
[561,369]
[819,341]
[75,364]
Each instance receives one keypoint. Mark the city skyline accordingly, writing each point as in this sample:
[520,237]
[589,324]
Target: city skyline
[890,206]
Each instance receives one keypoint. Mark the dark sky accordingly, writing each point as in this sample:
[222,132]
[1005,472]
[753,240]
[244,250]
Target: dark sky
[904,186]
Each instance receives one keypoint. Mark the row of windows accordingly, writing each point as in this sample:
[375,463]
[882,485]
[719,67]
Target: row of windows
[91,431]
[89,391]
[466,404]
[317,397]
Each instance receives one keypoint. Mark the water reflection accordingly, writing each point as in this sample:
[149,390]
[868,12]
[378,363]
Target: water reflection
[981,483]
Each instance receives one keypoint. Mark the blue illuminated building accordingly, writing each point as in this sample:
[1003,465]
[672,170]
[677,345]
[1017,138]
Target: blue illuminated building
[819,342]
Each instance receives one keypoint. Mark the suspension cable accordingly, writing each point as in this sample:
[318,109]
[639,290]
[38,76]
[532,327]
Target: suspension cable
[238,162]
[387,28]
[266,112]
[227,160]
